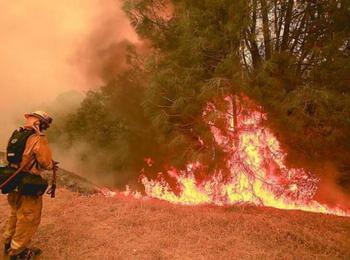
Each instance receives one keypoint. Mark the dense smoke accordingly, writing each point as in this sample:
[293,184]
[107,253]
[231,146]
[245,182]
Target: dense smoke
[49,48]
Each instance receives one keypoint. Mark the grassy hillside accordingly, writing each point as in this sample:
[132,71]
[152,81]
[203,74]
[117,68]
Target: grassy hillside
[96,227]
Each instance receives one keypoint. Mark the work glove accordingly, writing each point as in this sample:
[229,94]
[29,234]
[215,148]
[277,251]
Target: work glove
[55,165]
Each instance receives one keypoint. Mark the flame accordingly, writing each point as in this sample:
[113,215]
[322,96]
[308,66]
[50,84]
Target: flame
[255,162]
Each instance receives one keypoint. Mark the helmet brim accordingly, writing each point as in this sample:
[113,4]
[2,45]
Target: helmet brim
[30,115]
[46,120]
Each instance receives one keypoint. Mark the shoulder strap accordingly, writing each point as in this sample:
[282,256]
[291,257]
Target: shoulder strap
[13,176]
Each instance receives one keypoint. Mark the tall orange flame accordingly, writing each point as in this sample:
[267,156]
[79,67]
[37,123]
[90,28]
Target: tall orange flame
[255,162]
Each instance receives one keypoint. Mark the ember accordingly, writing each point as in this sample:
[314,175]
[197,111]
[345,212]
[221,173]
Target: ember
[255,162]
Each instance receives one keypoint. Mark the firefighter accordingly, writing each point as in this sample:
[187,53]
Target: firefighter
[25,214]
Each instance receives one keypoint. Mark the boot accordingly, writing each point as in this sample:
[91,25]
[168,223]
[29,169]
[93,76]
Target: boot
[27,254]
[7,248]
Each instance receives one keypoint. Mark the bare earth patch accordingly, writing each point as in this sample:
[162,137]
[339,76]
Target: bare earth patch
[97,227]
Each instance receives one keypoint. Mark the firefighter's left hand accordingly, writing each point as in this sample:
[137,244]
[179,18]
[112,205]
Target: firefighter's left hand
[55,165]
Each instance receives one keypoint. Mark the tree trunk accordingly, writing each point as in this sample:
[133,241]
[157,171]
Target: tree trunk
[254,50]
[287,24]
[266,29]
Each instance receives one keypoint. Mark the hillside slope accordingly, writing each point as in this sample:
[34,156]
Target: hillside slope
[97,227]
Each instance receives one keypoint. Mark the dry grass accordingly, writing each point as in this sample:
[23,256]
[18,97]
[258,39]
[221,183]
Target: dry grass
[80,227]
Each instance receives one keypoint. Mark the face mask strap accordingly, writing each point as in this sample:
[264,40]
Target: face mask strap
[36,126]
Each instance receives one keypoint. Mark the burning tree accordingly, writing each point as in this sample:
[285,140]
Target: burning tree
[221,80]
[291,57]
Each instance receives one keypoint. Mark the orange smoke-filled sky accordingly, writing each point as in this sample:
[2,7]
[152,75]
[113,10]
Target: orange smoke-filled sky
[49,47]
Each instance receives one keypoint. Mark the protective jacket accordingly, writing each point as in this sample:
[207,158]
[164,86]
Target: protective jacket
[38,154]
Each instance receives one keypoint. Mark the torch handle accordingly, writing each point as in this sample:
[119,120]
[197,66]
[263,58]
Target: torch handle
[52,190]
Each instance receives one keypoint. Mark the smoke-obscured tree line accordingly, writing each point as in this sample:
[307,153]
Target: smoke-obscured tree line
[291,57]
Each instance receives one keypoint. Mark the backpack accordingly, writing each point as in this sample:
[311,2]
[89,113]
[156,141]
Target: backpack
[27,184]
[17,145]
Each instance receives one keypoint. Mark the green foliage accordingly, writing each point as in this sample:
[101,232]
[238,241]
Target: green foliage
[111,122]
[295,64]
[196,50]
